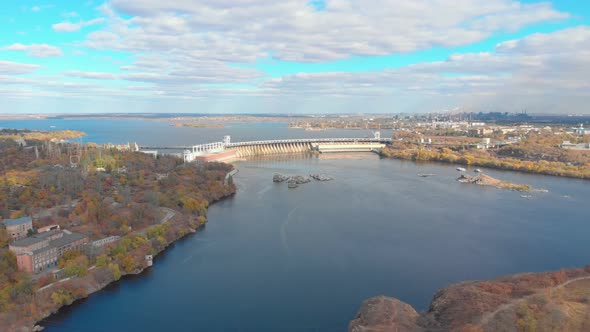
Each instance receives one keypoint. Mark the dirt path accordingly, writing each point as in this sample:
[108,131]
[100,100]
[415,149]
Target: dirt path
[487,317]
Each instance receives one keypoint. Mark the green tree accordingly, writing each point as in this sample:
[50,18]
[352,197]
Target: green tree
[114,268]
[77,267]
[102,260]
[61,297]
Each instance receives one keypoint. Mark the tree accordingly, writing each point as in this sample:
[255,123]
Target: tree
[102,260]
[77,267]
[4,238]
[114,268]
[128,263]
[61,297]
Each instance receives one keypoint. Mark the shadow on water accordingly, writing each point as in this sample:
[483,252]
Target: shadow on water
[120,285]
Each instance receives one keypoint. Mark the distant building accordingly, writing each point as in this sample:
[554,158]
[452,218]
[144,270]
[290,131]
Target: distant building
[104,241]
[41,251]
[581,130]
[571,146]
[475,132]
[152,152]
[18,228]
[48,228]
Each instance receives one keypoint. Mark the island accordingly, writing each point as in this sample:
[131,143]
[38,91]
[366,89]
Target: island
[75,218]
[486,180]
[548,301]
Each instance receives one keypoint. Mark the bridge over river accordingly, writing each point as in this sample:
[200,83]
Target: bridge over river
[225,150]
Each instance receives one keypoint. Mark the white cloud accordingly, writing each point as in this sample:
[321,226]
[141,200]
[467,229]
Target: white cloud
[293,30]
[67,26]
[39,8]
[16,68]
[70,14]
[36,50]
[91,75]
[532,72]
[188,50]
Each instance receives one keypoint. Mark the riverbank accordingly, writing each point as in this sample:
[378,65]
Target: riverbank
[556,301]
[68,292]
[145,204]
[39,135]
[199,125]
[484,159]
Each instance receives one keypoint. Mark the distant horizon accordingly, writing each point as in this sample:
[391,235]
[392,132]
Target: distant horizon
[188,114]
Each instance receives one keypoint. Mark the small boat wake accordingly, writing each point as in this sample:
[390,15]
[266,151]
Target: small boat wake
[284,232]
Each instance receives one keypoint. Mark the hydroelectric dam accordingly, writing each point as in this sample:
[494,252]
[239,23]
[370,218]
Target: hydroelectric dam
[227,150]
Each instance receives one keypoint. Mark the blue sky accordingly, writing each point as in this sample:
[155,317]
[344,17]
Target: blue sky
[293,56]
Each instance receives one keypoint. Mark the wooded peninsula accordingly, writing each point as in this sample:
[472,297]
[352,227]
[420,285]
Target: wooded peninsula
[124,206]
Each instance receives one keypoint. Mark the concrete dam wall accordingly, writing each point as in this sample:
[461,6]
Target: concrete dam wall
[267,149]
[302,147]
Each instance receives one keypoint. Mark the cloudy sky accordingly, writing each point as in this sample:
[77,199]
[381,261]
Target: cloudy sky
[294,56]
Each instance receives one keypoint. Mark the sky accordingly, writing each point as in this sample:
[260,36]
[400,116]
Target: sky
[293,56]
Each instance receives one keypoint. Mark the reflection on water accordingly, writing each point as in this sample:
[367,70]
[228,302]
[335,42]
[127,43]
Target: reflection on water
[347,155]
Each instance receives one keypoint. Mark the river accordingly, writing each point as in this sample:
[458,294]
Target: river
[279,259]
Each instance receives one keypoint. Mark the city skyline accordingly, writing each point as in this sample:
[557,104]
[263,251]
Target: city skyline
[294,56]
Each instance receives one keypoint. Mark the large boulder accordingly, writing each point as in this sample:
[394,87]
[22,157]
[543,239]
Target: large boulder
[279,178]
[385,314]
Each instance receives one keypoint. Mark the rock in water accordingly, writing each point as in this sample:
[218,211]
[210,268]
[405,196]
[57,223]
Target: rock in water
[279,178]
[320,177]
[298,179]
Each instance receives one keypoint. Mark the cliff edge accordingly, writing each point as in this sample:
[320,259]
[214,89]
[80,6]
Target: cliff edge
[548,301]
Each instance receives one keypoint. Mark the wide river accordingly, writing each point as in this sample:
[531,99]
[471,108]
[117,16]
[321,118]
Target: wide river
[279,259]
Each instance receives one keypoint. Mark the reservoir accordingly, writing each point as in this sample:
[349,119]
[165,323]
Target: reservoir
[278,259]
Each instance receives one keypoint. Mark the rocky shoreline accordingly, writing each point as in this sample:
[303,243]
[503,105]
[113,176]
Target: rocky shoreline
[96,274]
[547,301]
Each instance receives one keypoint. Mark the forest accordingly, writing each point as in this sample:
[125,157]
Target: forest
[100,192]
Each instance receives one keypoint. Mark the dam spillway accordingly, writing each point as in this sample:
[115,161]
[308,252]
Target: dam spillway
[272,148]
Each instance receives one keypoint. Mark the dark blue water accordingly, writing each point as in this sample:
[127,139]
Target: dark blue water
[279,259]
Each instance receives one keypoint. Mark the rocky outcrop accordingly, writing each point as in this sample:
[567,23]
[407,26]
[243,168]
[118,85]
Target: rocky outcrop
[321,177]
[486,180]
[292,181]
[385,314]
[549,301]
[299,179]
[279,178]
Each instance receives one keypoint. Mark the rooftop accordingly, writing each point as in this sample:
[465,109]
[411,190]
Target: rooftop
[35,238]
[17,221]
[66,238]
